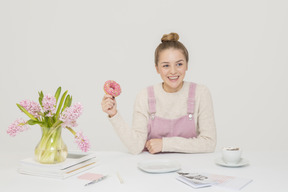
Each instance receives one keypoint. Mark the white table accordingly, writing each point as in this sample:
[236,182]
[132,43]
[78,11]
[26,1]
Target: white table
[269,171]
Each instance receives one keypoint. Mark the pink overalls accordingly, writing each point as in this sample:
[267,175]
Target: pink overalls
[182,127]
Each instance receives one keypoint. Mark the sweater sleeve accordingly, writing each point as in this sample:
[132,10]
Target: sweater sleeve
[206,139]
[134,138]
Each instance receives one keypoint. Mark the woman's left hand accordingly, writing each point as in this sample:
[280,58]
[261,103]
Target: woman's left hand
[154,145]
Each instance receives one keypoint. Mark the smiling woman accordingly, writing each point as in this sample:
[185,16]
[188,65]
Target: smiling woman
[172,116]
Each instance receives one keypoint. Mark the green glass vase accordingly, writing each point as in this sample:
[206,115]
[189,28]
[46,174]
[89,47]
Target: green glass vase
[51,148]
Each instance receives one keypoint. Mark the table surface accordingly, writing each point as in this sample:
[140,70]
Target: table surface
[268,169]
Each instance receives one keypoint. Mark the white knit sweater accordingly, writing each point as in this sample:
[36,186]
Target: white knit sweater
[170,106]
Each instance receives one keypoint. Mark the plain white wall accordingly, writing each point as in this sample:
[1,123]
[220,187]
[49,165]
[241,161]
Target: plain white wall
[237,48]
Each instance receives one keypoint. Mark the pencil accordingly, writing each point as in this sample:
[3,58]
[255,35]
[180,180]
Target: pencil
[120,178]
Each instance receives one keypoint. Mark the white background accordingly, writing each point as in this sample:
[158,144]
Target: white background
[238,49]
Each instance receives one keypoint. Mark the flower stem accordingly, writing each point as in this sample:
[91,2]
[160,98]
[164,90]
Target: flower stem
[71,130]
[51,147]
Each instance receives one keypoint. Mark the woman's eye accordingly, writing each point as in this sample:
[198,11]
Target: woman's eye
[179,64]
[165,66]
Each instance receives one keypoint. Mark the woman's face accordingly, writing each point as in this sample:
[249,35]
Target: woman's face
[172,67]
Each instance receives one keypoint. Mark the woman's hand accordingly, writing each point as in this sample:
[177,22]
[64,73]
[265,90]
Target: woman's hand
[154,145]
[109,105]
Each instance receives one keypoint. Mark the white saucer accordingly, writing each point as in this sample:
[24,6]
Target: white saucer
[241,163]
[159,166]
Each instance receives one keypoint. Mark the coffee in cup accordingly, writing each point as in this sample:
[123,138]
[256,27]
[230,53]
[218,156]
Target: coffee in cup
[231,155]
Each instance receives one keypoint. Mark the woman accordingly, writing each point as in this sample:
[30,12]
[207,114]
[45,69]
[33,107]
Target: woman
[172,116]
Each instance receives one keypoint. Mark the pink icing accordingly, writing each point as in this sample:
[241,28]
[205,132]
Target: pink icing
[112,88]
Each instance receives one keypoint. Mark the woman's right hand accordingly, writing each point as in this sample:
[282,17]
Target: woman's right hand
[109,105]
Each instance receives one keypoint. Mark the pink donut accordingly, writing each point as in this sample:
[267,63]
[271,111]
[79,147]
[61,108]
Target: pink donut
[112,88]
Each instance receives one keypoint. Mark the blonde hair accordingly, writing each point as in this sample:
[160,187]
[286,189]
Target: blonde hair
[170,41]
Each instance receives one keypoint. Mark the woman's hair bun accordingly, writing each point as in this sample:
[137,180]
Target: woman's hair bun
[170,37]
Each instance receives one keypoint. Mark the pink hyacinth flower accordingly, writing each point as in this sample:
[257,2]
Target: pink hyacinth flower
[49,105]
[32,107]
[71,114]
[82,141]
[17,126]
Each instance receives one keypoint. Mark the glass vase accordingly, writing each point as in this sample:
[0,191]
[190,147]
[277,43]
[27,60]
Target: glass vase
[51,149]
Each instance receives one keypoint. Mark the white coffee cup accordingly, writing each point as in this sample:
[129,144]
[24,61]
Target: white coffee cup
[231,155]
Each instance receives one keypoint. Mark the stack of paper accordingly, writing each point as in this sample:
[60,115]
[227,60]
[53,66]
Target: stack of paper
[195,180]
[76,162]
[198,180]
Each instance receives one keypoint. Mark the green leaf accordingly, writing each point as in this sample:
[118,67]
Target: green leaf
[33,122]
[70,101]
[57,94]
[41,95]
[26,112]
[67,101]
[60,104]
